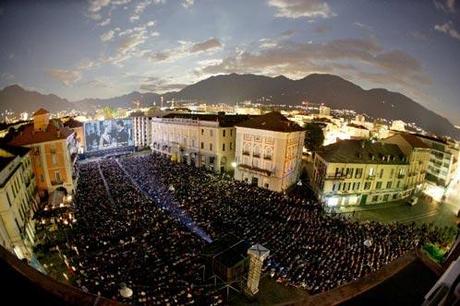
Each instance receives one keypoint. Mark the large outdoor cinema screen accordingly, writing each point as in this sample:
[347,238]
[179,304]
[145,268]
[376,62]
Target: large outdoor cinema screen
[107,134]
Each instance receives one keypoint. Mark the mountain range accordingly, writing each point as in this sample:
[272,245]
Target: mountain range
[331,90]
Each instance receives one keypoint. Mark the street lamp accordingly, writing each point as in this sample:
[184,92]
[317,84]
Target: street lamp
[234,164]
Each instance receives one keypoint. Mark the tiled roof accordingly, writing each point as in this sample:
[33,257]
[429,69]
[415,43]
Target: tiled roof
[363,152]
[414,141]
[72,123]
[272,121]
[41,111]
[28,135]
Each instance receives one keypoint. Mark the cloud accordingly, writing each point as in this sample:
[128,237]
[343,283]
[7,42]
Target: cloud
[107,36]
[104,23]
[448,28]
[184,49]
[140,8]
[95,6]
[301,8]
[358,58]
[447,6]
[66,77]
[209,44]
[187,3]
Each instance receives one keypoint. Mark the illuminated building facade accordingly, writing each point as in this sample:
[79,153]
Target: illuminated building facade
[53,152]
[418,154]
[356,172]
[142,129]
[18,201]
[269,151]
[202,140]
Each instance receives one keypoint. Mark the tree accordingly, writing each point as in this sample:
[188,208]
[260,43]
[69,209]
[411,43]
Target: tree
[314,136]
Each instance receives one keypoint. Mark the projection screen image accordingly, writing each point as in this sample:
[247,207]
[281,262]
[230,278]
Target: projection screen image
[107,134]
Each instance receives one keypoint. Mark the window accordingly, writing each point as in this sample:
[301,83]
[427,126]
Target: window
[202,131]
[395,196]
[358,185]
[202,145]
[385,198]
[231,145]
[8,197]
[57,175]
[398,184]
[392,173]
[210,133]
[223,133]
[381,173]
[359,173]
[389,184]
[53,159]
[231,132]
[223,147]
[367,186]
[371,171]
[17,224]
[375,198]
[378,185]
[210,147]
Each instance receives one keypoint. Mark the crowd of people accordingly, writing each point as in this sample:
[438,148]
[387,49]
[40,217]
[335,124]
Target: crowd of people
[143,221]
[122,236]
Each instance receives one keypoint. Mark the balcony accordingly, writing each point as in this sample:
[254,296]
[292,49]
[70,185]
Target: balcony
[400,176]
[256,155]
[370,177]
[246,153]
[267,157]
[255,169]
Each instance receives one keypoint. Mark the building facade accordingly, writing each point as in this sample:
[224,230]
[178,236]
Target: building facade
[356,172]
[53,152]
[142,130]
[202,140]
[269,151]
[443,163]
[418,154]
[18,201]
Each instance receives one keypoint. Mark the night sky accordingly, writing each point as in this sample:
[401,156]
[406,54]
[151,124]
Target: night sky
[105,48]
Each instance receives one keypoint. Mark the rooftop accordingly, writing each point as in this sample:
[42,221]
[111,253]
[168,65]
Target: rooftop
[28,135]
[72,123]
[224,120]
[413,140]
[8,153]
[272,121]
[41,111]
[363,152]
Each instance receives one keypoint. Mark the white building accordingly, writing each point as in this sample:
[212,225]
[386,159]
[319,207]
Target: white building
[357,172]
[18,201]
[142,129]
[443,164]
[202,140]
[269,151]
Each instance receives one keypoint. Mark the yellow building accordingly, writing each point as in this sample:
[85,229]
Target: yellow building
[18,201]
[355,172]
[203,140]
[53,152]
[269,151]
[418,154]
